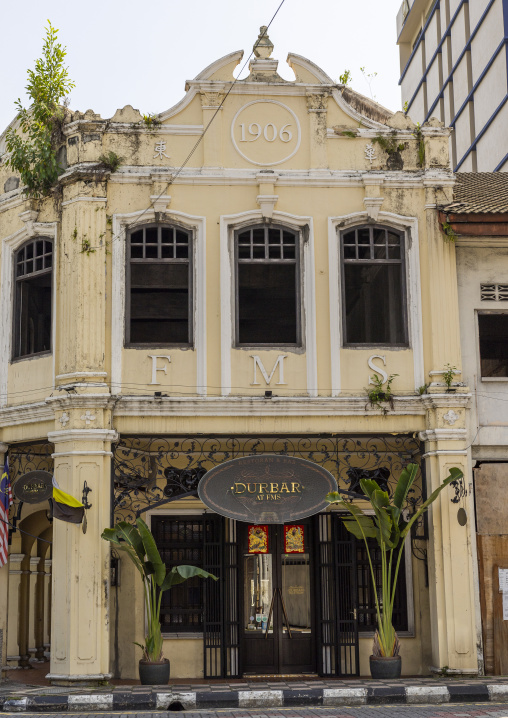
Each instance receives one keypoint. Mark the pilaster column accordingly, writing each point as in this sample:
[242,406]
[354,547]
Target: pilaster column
[81,258]
[451,535]
[32,602]
[13,614]
[80,625]
[211,98]
[39,612]
[4,587]
[47,606]
[317,110]
[439,277]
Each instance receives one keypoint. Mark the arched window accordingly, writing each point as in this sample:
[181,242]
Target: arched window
[267,286]
[33,293]
[373,287]
[159,280]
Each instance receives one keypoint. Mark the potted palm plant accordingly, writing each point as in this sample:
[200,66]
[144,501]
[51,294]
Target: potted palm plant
[389,526]
[139,544]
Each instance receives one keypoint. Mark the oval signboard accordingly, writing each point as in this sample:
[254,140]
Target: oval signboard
[34,487]
[266,489]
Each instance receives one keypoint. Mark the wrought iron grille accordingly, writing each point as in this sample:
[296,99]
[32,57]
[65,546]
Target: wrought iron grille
[30,457]
[149,472]
[34,456]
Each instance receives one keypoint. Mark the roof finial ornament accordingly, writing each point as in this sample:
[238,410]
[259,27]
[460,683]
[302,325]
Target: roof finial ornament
[263,47]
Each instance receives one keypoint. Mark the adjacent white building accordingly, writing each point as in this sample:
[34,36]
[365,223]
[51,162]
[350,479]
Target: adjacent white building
[453,61]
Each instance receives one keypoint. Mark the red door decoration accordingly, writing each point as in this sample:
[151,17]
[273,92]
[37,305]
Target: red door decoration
[258,539]
[294,539]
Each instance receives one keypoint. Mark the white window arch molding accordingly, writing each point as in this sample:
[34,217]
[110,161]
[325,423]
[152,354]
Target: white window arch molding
[121,225]
[228,225]
[10,245]
[408,225]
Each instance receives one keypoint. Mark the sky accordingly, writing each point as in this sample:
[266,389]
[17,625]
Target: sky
[123,52]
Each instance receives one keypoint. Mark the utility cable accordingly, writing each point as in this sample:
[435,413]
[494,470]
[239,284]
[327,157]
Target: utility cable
[16,528]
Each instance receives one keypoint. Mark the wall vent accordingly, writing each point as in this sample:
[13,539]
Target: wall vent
[494,292]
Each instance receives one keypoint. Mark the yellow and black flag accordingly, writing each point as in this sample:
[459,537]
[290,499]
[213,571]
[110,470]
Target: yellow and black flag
[66,507]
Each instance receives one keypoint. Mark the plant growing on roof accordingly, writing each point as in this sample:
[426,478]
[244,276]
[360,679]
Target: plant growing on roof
[448,231]
[346,78]
[151,121]
[389,527]
[139,545]
[421,145]
[448,375]
[389,143]
[33,151]
[369,78]
[381,393]
[110,161]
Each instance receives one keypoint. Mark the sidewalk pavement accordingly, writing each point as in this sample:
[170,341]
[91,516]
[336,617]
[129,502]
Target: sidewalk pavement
[299,691]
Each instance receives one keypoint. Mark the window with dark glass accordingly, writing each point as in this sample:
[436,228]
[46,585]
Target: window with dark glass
[367,620]
[32,302]
[373,287]
[493,333]
[180,541]
[159,306]
[267,286]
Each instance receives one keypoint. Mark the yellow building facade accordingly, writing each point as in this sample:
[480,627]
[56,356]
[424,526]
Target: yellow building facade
[260,255]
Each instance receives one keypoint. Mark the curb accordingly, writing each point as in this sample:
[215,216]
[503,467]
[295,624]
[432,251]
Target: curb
[154,699]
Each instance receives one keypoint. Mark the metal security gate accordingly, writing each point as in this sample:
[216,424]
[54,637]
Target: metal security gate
[220,608]
[338,651]
[213,638]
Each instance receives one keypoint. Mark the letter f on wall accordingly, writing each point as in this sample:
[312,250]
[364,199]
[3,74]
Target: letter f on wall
[156,368]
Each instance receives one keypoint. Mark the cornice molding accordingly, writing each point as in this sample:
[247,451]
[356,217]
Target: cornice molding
[25,414]
[285,178]
[67,435]
[82,401]
[410,405]
[443,435]
[259,406]
[442,401]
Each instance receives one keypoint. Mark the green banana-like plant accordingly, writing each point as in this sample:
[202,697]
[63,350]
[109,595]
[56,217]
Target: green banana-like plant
[139,545]
[390,528]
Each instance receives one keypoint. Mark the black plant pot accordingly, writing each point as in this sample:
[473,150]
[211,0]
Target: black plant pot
[154,673]
[385,667]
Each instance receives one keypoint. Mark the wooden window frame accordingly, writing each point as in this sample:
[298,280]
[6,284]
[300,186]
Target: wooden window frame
[151,260]
[297,261]
[404,290]
[22,278]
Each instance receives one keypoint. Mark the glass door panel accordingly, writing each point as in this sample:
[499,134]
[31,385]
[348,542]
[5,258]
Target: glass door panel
[296,593]
[277,623]
[257,592]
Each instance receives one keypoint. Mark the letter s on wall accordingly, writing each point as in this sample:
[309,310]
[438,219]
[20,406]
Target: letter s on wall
[377,369]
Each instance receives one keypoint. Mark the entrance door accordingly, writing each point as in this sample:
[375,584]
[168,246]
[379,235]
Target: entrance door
[277,623]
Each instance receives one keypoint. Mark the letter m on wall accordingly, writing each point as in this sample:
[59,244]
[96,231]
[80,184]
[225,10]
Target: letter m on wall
[258,364]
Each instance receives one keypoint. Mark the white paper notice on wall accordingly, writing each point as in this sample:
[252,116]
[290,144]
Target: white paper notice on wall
[503,580]
[505,606]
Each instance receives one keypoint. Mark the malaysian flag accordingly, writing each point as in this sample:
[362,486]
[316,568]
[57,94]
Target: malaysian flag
[5,502]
